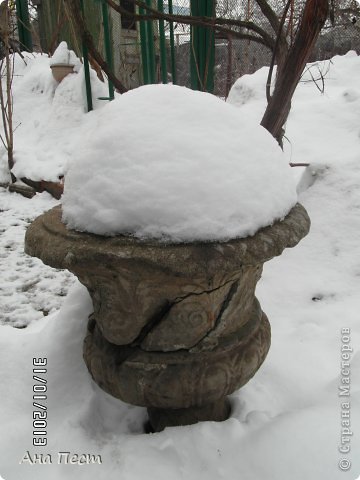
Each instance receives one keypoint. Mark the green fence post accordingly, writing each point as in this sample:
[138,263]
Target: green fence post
[172,45]
[202,45]
[86,68]
[210,49]
[194,48]
[23,23]
[107,42]
[163,60]
[151,47]
[144,48]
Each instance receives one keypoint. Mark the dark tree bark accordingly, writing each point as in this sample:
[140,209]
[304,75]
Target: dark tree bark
[288,75]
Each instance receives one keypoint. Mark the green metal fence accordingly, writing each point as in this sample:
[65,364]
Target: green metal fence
[55,24]
[161,51]
[23,24]
[202,50]
[139,53]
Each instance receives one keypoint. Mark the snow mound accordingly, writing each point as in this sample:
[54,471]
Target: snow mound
[49,117]
[63,56]
[169,163]
[249,88]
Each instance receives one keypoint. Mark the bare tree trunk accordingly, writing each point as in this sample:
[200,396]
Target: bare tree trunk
[288,76]
[9,78]
[6,100]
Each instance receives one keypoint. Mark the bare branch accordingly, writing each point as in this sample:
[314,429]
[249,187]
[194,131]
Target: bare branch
[269,13]
[74,6]
[278,39]
[210,22]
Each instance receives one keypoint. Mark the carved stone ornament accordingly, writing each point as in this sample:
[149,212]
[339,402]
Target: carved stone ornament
[176,327]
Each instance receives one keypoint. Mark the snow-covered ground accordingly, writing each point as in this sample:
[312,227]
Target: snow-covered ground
[286,422]
[29,289]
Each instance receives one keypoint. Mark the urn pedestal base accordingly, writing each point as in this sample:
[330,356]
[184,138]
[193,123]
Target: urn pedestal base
[181,387]
[161,418]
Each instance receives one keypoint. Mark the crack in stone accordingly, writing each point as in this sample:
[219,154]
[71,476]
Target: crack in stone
[184,297]
[152,323]
[122,353]
[150,326]
[159,316]
[233,289]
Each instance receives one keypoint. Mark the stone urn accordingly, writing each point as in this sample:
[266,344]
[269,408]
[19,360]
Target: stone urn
[61,70]
[176,327]
[62,62]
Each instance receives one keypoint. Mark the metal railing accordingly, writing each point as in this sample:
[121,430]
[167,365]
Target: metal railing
[142,51]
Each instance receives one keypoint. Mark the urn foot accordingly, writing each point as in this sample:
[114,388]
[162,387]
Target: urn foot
[161,418]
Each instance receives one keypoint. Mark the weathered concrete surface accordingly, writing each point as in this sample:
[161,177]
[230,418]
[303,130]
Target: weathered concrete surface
[149,290]
[188,259]
[175,326]
[180,379]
